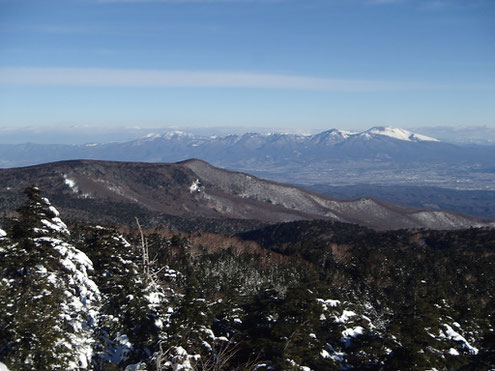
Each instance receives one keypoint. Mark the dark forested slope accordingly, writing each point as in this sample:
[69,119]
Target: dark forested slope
[315,295]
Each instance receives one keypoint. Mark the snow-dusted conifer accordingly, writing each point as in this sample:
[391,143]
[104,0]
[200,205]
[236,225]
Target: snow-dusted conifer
[132,317]
[48,304]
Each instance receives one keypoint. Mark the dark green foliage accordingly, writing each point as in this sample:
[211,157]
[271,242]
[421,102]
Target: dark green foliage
[191,319]
[126,309]
[44,320]
[316,294]
[415,280]
[279,328]
[28,319]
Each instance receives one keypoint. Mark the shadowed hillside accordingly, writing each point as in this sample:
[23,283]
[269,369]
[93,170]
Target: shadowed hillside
[194,195]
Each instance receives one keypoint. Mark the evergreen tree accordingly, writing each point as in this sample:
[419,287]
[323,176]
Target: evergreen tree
[48,304]
[278,329]
[191,320]
[132,318]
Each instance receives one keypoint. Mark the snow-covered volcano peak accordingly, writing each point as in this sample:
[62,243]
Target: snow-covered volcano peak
[397,133]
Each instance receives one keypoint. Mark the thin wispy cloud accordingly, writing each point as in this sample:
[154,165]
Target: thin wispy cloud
[385,2]
[181,78]
[189,1]
[433,4]
[57,29]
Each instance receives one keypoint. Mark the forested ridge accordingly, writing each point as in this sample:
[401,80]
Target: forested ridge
[302,295]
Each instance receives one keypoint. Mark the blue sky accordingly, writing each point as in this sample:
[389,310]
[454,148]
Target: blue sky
[288,64]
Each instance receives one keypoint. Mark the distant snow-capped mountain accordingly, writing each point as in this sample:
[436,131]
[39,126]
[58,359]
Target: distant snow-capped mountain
[331,136]
[328,136]
[377,155]
[395,133]
[335,135]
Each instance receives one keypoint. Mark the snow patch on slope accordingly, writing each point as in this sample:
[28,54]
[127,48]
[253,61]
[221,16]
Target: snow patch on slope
[71,183]
[195,186]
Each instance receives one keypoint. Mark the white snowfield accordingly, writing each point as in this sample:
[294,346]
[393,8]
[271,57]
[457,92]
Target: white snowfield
[2,235]
[397,133]
[3,367]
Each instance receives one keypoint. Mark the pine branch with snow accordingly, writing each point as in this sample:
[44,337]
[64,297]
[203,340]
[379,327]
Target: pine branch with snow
[49,304]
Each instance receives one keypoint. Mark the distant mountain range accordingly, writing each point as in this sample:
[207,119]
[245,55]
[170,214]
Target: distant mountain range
[191,193]
[380,155]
